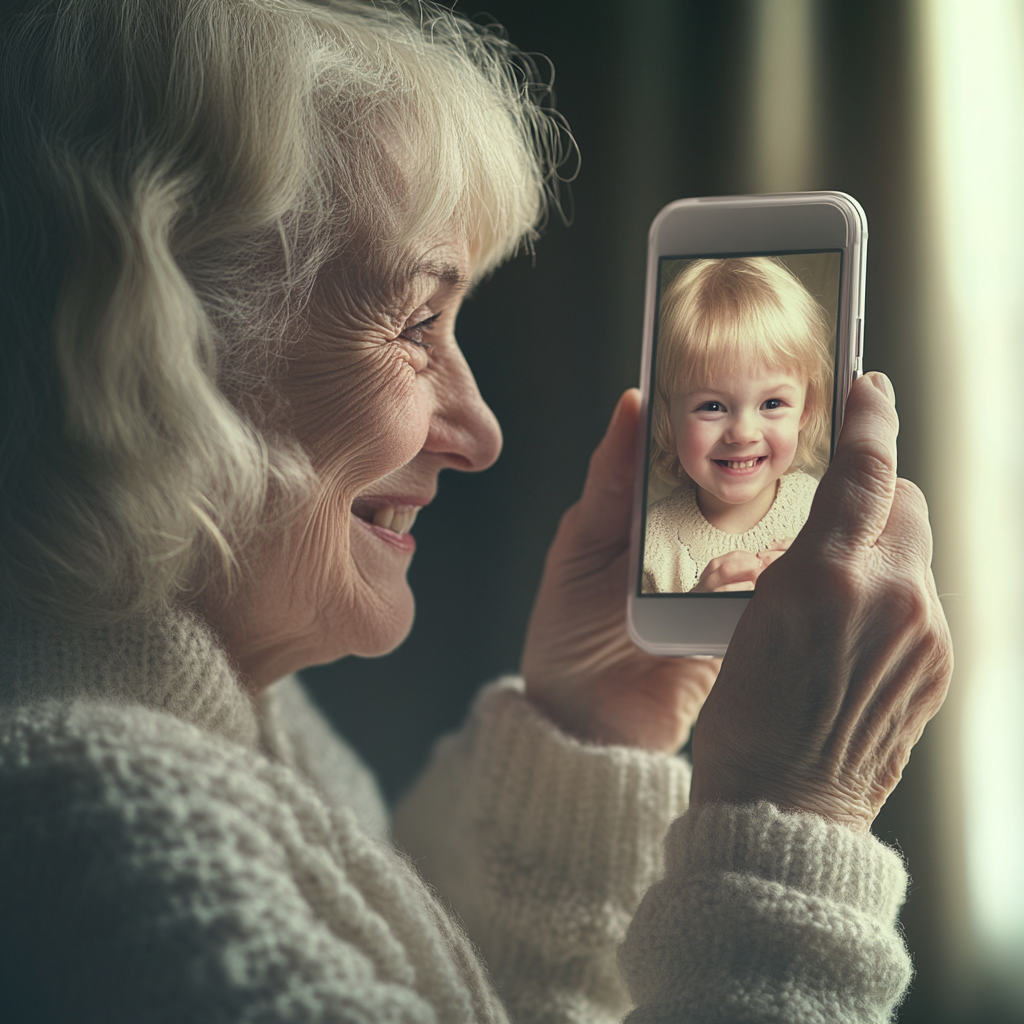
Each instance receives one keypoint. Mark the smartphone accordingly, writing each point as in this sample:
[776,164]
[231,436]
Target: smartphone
[752,337]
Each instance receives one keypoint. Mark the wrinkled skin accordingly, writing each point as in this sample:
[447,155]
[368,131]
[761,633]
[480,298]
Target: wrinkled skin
[379,416]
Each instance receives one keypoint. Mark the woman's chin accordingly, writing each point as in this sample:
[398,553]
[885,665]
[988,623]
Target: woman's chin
[386,620]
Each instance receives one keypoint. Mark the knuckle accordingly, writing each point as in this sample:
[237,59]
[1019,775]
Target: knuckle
[942,650]
[912,495]
[872,467]
[934,672]
[913,506]
[908,602]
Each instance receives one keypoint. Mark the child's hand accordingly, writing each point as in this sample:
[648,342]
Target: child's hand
[777,549]
[738,570]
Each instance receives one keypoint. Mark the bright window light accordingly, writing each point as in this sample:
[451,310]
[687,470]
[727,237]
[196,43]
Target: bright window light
[973,91]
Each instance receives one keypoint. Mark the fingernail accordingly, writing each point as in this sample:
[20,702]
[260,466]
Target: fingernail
[883,384]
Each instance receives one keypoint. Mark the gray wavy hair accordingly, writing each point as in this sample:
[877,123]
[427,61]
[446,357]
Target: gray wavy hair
[174,175]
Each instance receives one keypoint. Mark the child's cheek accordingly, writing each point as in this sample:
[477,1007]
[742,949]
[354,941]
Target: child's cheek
[787,440]
[692,445]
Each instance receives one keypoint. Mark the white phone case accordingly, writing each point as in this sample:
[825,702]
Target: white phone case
[801,230]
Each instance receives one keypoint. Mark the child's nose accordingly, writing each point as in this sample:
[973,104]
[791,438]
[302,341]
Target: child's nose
[744,429]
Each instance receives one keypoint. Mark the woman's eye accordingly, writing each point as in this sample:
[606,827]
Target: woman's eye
[414,332]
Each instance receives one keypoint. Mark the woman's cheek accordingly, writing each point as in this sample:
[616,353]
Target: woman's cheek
[375,422]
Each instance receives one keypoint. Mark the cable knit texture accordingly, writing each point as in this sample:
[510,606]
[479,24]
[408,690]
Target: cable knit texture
[680,541]
[172,851]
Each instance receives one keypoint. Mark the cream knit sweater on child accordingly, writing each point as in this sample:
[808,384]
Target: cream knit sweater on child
[172,852]
[680,541]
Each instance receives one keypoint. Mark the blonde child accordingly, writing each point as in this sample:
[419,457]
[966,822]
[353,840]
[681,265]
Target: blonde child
[740,422]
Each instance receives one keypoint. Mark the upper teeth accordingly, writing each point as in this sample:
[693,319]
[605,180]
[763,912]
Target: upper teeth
[742,465]
[399,519]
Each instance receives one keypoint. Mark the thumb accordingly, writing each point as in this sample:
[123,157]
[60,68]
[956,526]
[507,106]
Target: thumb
[855,496]
[603,511]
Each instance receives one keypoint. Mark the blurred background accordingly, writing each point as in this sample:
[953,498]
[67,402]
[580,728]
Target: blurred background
[915,107]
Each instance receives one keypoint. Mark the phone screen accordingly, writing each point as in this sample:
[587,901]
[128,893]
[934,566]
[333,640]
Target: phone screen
[741,414]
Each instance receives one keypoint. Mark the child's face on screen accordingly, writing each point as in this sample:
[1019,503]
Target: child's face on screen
[737,437]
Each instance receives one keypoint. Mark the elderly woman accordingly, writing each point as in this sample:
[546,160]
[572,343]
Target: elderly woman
[236,234]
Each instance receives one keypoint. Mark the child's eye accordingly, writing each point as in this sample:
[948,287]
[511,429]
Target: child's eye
[773,403]
[711,407]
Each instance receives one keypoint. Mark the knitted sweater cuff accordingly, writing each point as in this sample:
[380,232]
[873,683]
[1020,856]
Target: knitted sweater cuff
[765,914]
[594,814]
[819,857]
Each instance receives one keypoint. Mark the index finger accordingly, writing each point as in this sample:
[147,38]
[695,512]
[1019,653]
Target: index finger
[855,496]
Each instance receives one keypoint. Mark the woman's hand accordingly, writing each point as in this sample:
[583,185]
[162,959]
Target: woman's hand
[843,653]
[580,666]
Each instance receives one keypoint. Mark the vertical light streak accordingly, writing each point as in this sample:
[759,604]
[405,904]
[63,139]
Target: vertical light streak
[973,92]
[784,109]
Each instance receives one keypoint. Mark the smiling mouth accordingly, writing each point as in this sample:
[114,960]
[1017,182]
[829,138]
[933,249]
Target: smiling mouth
[740,463]
[396,518]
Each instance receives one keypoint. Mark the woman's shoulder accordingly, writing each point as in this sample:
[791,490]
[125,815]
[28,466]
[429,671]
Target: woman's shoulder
[175,864]
[130,758]
[135,764]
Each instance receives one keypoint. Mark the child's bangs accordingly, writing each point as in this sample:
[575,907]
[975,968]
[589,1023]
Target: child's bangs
[760,335]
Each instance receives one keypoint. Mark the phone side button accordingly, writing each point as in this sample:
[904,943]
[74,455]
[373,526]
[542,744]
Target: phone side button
[857,344]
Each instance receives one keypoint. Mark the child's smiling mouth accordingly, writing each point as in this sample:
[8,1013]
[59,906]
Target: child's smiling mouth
[740,465]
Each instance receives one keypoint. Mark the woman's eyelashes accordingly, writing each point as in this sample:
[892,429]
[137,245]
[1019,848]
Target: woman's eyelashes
[413,332]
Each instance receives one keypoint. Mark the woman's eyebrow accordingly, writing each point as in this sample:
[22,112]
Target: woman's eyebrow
[447,273]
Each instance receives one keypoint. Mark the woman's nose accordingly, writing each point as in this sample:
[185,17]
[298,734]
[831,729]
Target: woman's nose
[463,430]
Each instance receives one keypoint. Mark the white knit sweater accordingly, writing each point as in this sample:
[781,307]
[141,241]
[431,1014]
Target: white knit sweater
[679,541]
[171,852]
